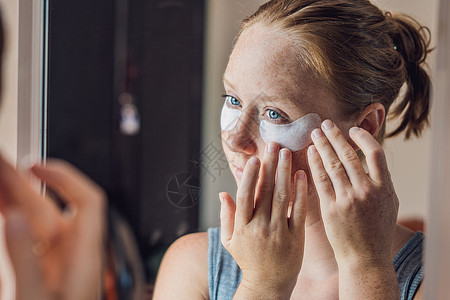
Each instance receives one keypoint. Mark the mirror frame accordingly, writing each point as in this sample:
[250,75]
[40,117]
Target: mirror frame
[32,78]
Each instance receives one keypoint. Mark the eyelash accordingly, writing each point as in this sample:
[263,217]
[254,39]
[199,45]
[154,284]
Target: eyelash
[228,98]
[280,119]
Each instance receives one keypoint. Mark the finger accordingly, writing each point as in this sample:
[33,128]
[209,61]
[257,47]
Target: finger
[264,188]
[345,152]
[68,182]
[299,207]
[29,278]
[227,215]
[320,177]
[246,192]
[83,196]
[331,162]
[375,157]
[14,189]
[282,190]
[16,192]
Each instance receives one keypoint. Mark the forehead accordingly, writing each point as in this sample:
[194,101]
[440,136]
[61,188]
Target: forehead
[261,58]
[264,62]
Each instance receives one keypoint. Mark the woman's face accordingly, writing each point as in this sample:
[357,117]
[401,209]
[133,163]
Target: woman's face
[265,82]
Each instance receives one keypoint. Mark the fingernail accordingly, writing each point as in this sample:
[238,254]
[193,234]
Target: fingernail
[312,149]
[317,133]
[254,161]
[327,125]
[272,147]
[354,130]
[220,198]
[284,154]
[301,175]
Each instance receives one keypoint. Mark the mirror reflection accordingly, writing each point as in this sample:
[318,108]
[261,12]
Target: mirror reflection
[292,183]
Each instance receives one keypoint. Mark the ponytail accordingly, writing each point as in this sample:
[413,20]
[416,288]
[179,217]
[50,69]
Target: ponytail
[412,41]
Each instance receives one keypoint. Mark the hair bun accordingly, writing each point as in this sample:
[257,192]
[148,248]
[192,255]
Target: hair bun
[411,39]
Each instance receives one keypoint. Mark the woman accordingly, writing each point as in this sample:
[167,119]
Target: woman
[309,222]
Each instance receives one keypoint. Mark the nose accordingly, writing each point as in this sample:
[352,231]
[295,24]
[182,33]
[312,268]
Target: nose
[242,138]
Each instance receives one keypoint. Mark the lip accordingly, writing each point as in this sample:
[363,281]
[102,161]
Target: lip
[238,171]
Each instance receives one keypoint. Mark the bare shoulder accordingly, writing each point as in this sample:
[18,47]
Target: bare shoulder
[183,273]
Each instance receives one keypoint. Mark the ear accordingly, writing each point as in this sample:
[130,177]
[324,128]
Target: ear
[371,118]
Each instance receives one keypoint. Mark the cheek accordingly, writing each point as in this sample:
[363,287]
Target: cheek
[225,147]
[299,161]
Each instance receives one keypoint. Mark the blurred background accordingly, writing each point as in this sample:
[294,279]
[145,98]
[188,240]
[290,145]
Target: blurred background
[131,94]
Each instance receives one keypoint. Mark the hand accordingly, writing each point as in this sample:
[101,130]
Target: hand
[359,210]
[55,255]
[264,241]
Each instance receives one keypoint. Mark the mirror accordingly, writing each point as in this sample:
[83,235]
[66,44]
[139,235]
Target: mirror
[124,92]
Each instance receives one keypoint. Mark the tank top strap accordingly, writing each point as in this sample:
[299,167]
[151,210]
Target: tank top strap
[409,267]
[224,274]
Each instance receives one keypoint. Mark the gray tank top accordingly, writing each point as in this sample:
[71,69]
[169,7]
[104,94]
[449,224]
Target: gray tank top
[224,274]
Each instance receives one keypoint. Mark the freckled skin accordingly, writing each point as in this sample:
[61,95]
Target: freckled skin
[263,63]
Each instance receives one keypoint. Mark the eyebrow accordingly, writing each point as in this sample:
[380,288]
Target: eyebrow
[224,79]
[272,98]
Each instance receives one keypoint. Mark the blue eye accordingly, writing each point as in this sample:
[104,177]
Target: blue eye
[273,114]
[234,101]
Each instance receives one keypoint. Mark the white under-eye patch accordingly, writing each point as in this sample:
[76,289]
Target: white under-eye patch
[229,117]
[295,136]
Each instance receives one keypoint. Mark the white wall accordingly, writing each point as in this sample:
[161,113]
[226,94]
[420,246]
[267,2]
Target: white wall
[407,160]
[8,111]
